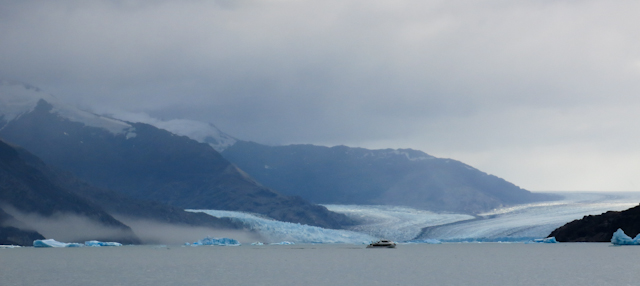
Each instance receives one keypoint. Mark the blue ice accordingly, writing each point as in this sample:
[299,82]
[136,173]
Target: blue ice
[216,241]
[95,243]
[53,243]
[544,240]
[621,238]
[278,231]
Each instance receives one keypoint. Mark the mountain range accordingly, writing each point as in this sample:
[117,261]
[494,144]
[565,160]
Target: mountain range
[143,161]
[404,177]
[159,168]
[37,198]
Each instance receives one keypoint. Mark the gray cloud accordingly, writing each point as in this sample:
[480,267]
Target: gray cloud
[526,90]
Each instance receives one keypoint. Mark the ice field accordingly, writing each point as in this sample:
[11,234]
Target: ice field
[518,223]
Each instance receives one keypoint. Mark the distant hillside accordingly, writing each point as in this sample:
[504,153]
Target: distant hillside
[28,191]
[344,175]
[142,161]
[600,228]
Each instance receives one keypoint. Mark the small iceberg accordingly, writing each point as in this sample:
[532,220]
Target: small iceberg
[621,238]
[216,241]
[95,243]
[544,240]
[53,243]
[257,243]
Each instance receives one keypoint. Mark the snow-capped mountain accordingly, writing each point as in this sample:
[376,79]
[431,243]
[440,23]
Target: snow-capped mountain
[19,99]
[196,130]
[141,160]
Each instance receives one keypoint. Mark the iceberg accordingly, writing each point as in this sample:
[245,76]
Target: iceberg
[95,243]
[621,238]
[53,243]
[216,241]
[544,240]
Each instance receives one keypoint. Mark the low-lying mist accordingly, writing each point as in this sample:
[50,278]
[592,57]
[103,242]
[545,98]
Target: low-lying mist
[154,232]
[67,227]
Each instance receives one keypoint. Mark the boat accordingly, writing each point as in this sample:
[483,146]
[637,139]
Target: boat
[384,243]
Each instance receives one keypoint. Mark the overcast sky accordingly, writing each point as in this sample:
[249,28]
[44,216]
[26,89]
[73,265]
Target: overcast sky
[545,94]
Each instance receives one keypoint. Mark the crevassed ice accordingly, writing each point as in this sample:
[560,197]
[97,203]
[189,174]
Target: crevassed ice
[530,221]
[277,231]
[217,241]
[394,222]
[95,243]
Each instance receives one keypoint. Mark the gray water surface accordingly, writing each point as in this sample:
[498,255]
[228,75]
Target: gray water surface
[341,264]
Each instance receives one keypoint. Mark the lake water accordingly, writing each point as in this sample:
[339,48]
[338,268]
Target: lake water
[327,264]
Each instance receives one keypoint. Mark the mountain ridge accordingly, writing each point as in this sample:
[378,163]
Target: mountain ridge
[149,163]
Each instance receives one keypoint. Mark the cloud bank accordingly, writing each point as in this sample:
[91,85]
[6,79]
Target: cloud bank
[541,93]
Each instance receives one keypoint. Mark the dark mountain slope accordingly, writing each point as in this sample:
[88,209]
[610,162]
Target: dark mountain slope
[121,205]
[600,228]
[11,235]
[27,190]
[344,175]
[154,165]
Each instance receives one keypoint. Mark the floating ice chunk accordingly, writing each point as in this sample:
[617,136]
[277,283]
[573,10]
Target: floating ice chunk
[95,243]
[257,243]
[217,241]
[10,246]
[283,243]
[53,243]
[620,238]
[544,240]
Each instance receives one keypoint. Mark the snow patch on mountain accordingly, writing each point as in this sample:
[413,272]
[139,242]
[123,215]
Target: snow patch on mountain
[18,98]
[409,154]
[200,131]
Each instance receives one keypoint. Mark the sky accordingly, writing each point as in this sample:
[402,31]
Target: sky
[544,94]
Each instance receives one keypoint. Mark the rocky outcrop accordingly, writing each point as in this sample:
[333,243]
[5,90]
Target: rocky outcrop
[599,228]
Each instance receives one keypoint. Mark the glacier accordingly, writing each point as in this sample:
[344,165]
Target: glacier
[522,223]
[216,241]
[95,243]
[396,223]
[275,231]
[517,224]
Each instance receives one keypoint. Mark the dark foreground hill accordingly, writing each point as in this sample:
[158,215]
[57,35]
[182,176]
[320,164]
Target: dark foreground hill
[144,162]
[26,190]
[42,195]
[600,228]
[344,175]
